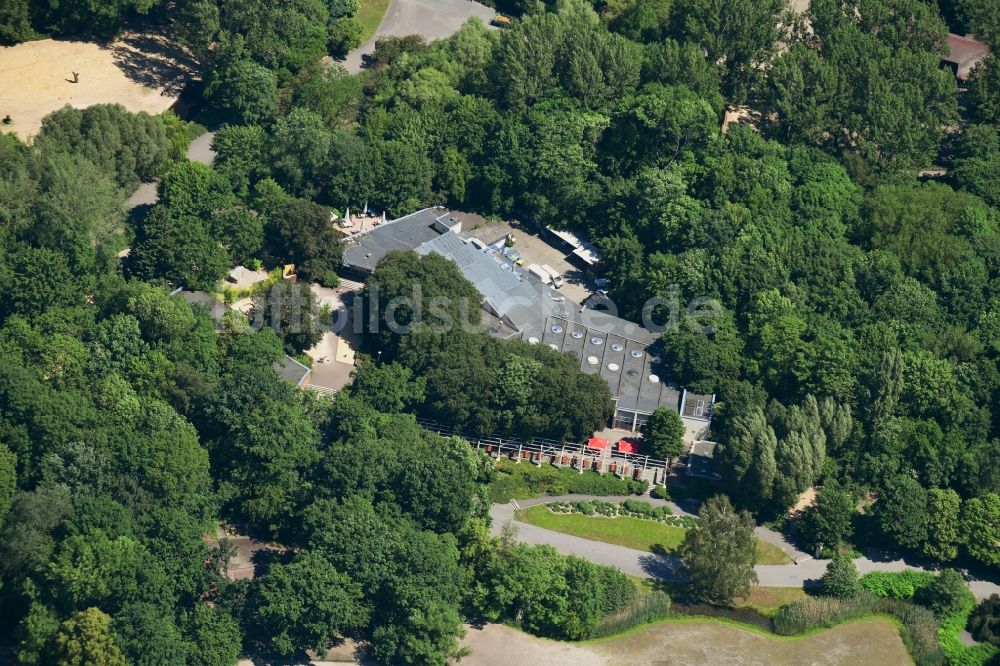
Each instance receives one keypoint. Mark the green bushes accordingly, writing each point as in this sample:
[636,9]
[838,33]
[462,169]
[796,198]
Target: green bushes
[984,623]
[521,481]
[659,492]
[646,608]
[549,594]
[817,612]
[632,508]
[958,653]
[896,585]
[919,624]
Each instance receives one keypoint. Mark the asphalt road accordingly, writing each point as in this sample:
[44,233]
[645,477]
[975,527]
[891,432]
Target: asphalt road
[648,565]
[433,19]
[199,150]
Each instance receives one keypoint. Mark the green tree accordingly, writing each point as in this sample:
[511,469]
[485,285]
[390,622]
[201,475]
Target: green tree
[947,594]
[389,387]
[129,147]
[300,232]
[984,623]
[942,524]
[246,90]
[214,636]
[828,520]
[291,311]
[747,458]
[665,433]
[980,528]
[177,249]
[740,34]
[8,479]
[86,639]
[720,553]
[901,512]
[305,605]
[841,577]
[345,34]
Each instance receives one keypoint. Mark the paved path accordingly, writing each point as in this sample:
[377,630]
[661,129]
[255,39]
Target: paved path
[433,19]
[649,565]
[200,150]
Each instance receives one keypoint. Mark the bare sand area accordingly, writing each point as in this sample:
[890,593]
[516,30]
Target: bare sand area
[140,72]
[695,642]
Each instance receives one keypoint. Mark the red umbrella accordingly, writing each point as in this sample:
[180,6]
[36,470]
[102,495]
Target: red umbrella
[597,443]
[628,446]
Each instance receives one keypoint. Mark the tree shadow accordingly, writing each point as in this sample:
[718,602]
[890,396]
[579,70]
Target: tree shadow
[153,61]
[265,558]
[662,565]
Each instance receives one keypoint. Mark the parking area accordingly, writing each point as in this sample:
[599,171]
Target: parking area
[534,249]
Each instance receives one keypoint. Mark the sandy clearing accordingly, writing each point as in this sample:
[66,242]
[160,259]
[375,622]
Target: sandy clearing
[140,72]
[693,642]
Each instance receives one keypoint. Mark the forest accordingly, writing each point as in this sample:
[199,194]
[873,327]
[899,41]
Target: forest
[859,349]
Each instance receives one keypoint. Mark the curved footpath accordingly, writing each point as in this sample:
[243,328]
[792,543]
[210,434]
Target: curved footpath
[649,565]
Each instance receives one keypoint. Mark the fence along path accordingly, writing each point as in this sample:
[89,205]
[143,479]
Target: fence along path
[539,451]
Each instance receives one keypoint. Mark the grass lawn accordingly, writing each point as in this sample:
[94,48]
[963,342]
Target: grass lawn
[621,530]
[370,14]
[636,533]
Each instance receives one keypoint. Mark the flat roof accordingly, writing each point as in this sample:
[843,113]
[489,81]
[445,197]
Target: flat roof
[363,250]
[697,406]
[627,363]
[291,370]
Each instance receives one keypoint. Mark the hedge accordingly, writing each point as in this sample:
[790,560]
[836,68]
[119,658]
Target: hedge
[896,584]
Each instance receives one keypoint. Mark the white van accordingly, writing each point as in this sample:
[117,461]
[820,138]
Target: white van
[540,273]
[557,280]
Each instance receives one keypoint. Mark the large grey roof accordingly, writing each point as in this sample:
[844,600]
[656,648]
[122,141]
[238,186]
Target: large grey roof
[364,250]
[612,348]
[510,293]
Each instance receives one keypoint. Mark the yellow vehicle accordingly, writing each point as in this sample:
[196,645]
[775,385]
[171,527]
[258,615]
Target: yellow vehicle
[502,21]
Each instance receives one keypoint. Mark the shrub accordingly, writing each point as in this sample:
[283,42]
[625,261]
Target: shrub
[947,594]
[897,584]
[585,507]
[606,508]
[329,279]
[920,628]
[984,622]
[647,608]
[816,612]
[841,578]
[659,492]
[514,481]
[637,507]
[957,653]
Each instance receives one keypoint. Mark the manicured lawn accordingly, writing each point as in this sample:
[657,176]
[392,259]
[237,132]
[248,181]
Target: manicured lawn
[621,530]
[370,14]
[768,553]
[636,533]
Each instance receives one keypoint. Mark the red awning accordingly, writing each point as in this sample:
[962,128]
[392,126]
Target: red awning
[628,446]
[597,443]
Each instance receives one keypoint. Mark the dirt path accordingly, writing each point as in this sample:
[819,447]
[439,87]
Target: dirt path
[693,642]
